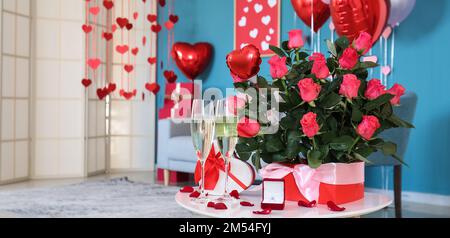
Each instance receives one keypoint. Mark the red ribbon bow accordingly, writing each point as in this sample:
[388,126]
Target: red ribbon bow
[214,164]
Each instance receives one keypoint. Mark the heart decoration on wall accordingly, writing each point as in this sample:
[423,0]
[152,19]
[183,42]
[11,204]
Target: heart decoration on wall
[192,60]
[122,22]
[152,60]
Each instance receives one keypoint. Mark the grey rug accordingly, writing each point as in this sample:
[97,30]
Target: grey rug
[116,198]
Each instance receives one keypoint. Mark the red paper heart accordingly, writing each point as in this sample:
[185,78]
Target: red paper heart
[129,26]
[94,10]
[220,206]
[86,28]
[152,17]
[306,204]
[162,3]
[144,40]
[112,87]
[247,204]
[187,189]
[94,63]
[335,208]
[135,15]
[192,60]
[235,194]
[102,93]
[134,92]
[135,51]
[128,68]
[245,62]
[108,4]
[170,76]
[122,22]
[107,36]
[86,82]
[152,60]
[152,87]
[114,28]
[122,49]
[173,18]
[156,28]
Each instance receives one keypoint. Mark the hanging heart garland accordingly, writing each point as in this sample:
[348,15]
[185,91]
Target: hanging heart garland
[156,28]
[170,76]
[153,87]
[152,18]
[86,28]
[108,4]
[86,82]
[152,60]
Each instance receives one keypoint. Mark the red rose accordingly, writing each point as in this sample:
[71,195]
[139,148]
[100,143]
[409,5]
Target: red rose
[374,89]
[398,91]
[349,58]
[317,57]
[295,39]
[278,68]
[363,43]
[368,127]
[248,128]
[309,91]
[320,69]
[309,124]
[350,86]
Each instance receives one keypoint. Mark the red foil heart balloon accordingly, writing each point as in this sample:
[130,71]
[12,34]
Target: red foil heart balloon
[316,8]
[351,17]
[245,62]
[192,60]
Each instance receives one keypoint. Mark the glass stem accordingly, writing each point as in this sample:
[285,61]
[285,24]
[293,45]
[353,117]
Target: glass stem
[202,189]
[227,165]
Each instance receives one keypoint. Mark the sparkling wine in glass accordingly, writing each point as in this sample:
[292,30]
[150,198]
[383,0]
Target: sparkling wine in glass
[226,135]
[202,132]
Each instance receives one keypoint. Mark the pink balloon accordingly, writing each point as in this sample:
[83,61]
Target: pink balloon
[400,10]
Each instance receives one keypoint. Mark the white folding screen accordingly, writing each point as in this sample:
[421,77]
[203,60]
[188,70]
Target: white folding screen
[15,90]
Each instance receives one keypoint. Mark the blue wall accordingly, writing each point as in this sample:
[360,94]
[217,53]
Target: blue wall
[422,64]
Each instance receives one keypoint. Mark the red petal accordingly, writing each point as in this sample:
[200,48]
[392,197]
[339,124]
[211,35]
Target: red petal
[263,212]
[306,204]
[247,204]
[194,194]
[187,189]
[220,206]
[333,207]
[211,205]
[235,194]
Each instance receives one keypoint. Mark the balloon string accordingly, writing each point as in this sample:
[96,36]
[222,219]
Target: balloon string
[392,52]
[318,40]
[385,58]
[312,27]
[381,55]
[371,69]
[295,19]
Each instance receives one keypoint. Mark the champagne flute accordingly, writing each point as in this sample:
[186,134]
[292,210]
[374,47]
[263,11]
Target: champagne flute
[202,132]
[226,135]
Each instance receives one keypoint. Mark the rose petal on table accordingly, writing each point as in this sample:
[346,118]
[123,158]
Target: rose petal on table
[194,194]
[235,194]
[187,189]
[307,204]
[335,208]
[220,206]
[211,205]
[247,204]
[263,212]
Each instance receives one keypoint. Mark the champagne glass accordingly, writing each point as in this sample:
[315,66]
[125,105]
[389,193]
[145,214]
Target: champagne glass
[202,132]
[227,136]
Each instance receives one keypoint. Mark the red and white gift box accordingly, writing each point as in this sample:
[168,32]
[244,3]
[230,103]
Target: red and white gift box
[336,182]
[240,177]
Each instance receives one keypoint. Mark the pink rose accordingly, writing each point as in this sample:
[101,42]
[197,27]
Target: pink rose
[278,68]
[295,39]
[320,69]
[363,43]
[398,91]
[235,104]
[236,79]
[309,124]
[368,127]
[317,57]
[248,128]
[350,86]
[374,89]
[309,91]
[349,58]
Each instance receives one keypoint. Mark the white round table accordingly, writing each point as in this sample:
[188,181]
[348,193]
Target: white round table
[371,203]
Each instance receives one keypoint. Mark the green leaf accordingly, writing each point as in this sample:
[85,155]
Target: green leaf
[343,42]
[399,122]
[285,45]
[367,65]
[288,122]
[278,51]
[273,143]
[362,158]
[386,111]
[342,143]
[374,104]
[262,82]
[331,48]
[331,100]
[356,114]
[256,160]
[279,157]
[314,159]
[389,148]
[293,143]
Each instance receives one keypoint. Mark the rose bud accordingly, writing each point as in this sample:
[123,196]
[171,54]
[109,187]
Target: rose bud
[349,58]
[374,89]
[278,68]
[363,43]
[317,57]
[368,127]
[248,128]
[309,91]
[295,39]
[398,91]
[320,69]
[309,124]
[350,86]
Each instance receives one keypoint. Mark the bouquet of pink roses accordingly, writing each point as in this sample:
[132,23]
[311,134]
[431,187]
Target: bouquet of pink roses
[329,111]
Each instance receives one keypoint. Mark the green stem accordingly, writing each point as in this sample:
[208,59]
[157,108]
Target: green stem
[343,115]
[354,143]
[297,56]
[314,143]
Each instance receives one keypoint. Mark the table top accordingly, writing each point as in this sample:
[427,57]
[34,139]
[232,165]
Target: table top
[372,202]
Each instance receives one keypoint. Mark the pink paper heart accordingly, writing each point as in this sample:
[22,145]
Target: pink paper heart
[114,28]
[386,70]
[169,25]
[332,27]
[94,63]
[94,10]
[387,32]
[135,15]
[373,59]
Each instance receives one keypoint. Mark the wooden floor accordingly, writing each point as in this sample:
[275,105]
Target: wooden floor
[413,210]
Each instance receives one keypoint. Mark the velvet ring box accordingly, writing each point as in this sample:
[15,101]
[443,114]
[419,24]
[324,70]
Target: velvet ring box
[273,194]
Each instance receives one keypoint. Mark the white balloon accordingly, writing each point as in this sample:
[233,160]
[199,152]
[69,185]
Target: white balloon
[400,10]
